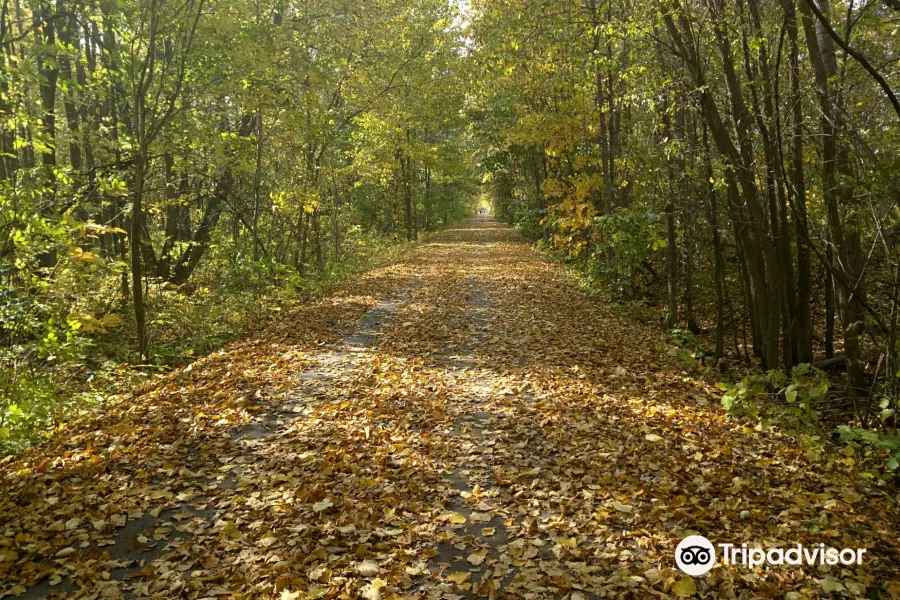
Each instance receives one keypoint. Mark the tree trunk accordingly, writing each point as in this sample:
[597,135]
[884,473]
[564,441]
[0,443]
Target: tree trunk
[407,194]
[768,125]
[7,136]
[178,215]
[336,222]
[803,329]
[257,184]
[317,229]
[672,266]
[717,248]
[759,251]
[304,236]
[190,258]
[689,316]
[848,275]
[65,70]
[604,203]
[427,196]
[49,74]
[137,289]
[829,303]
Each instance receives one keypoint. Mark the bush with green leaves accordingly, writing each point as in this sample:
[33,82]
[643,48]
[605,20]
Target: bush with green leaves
[880,438]
[792,398]
[46,318]
[530,222]
[884,444]
[623,240]
[31,404]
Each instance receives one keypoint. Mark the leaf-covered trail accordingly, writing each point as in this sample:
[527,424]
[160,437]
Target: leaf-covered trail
[466,423]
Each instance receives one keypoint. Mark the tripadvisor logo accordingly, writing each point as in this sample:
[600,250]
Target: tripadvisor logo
[696,555]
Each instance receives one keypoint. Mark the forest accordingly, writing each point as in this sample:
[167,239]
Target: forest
[174,171]
[735,163]
[447,298]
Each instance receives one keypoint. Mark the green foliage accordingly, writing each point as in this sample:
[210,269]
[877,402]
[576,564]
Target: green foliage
[47,318]
[682,337]
[742,398]
[266,150]
[624,239]
[766,395]
[806,387]
[881,440]
[887,445]
[31,404]
[685,348]
[529,221]
[52,370]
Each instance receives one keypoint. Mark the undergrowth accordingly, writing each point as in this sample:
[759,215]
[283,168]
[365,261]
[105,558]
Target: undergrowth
[73,351]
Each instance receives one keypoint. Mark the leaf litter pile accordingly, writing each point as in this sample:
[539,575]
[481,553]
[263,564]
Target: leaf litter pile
[464,424]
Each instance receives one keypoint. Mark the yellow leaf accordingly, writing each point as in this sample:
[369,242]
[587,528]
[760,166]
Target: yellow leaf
[88,324]
[231,530]
[455,518]
[685,587]
[460,577]
[111,320]
[8,556]
[893,588]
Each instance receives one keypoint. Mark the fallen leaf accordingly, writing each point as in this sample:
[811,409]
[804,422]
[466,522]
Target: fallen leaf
[459,577]
[368,568]
[831,585]
[455,518]
[626,508]
[684,587]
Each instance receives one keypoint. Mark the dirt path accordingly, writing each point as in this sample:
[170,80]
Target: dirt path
[464,424]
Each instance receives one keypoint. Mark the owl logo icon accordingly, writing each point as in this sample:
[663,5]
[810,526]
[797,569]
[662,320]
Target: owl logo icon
[695,555]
